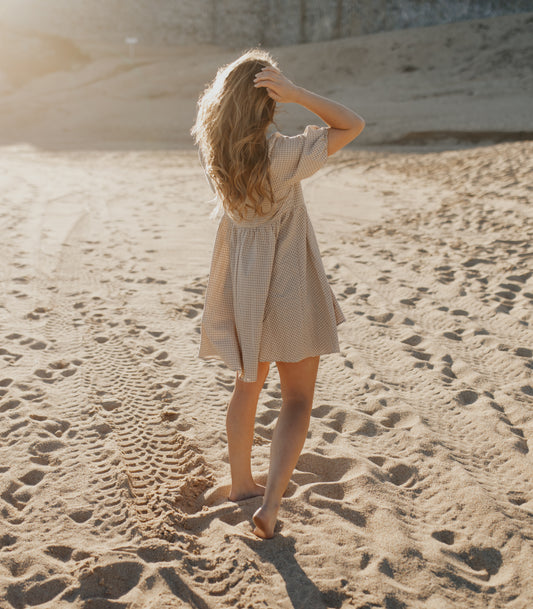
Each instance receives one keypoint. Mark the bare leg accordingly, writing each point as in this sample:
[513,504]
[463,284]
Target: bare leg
[297,389]
[240,423]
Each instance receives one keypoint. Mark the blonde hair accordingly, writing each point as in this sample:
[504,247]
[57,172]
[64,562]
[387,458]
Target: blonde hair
[230,130]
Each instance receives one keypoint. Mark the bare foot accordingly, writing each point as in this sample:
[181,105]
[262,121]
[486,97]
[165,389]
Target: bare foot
[265,521]
[254,491]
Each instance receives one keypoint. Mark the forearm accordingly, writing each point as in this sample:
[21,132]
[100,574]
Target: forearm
[332,113]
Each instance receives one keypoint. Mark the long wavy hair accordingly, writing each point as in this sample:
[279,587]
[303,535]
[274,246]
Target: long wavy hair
[230,130]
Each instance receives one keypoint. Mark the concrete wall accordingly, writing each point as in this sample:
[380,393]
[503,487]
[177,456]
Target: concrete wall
[240,23]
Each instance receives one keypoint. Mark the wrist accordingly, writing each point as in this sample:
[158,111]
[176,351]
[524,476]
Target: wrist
[298,96]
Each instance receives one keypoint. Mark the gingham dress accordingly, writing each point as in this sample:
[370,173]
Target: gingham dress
[268,298]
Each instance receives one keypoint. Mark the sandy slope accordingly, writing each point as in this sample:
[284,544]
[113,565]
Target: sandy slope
[464,81]
[414,489]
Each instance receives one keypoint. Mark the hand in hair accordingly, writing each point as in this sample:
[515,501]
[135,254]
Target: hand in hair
[278,86]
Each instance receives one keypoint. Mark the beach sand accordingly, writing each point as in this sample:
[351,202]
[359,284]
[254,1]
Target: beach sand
[414,489]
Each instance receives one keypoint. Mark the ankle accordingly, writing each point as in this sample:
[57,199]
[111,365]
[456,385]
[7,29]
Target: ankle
[243,483]
[271,505]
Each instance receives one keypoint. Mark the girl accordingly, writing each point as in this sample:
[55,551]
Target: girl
[268,298]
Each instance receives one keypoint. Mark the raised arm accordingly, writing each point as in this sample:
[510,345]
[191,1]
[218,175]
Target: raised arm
[345,124]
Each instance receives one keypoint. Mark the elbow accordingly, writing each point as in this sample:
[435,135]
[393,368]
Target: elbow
[358,127]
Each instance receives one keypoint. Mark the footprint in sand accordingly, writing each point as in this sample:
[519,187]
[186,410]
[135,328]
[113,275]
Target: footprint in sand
[399,419]
[331,490]
[39,593]
[506,297]
[349,290]
[402,475]
[44,375]
[419,354]
[327,469]
[195,290]
[14,496]
[520,278]
[9,405]
[504,307]
[321,411]
[267,417]
[5,383]
[56,427]
[336,421]
[7,540]
[110,581]
[177,380]
[146,349]
[486,561]
[444,536]
[413,340]
[62,364]
[41,450]
[510,288]
[158,550]
[80,516]
[452,336]
[517,497]
[40,459]
[474,261]
[410,302]
[10,357]
[466,397]
[460,312]
[276,394]
[398,473]
[161,359]
[445,274]
[36,313]
[32,477]
[103,429]
[447,371]
[33,343]
[330,497]
[224,383]
[385,567]
[190,310]
[36,395]
[110,405]
[151,279]
[57,371]
[381,318]
[164,396]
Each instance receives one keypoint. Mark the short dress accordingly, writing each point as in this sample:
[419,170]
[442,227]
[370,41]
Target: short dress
[268,298]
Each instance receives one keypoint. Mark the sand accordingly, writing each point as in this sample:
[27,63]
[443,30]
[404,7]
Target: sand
[414,489]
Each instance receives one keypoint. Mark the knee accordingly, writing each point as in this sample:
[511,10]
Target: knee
[302,403]
[244,395]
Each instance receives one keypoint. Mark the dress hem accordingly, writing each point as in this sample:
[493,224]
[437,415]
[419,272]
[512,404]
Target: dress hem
[248,380]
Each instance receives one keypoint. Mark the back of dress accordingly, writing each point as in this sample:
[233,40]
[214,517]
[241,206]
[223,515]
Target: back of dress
[268,298]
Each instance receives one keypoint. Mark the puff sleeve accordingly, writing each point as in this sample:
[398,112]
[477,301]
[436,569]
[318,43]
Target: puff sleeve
[297,157]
